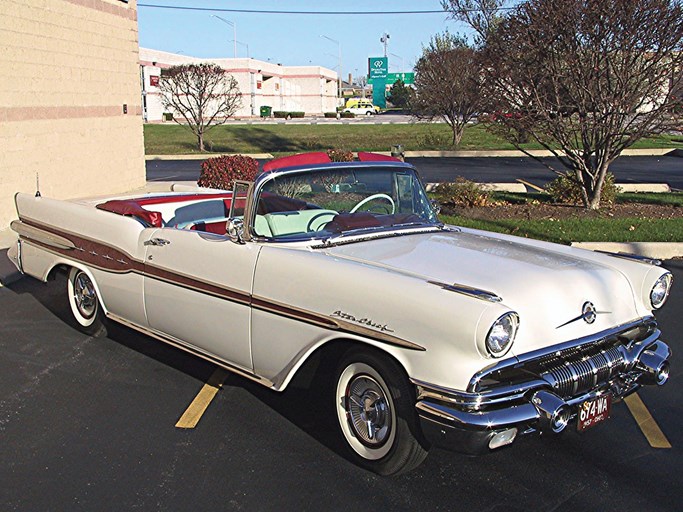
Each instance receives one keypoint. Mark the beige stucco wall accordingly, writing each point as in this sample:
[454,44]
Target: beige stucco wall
[67,69]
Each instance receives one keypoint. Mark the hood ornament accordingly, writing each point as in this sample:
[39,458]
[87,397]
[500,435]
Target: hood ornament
[588,314]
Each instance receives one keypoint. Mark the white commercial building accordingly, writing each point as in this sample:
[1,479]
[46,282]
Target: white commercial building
[309,89]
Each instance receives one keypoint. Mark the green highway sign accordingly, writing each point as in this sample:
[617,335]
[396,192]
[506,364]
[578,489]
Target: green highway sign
[391,78]
[378,67]
[406,78]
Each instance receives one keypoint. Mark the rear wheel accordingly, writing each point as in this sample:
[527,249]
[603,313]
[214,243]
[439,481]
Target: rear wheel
[84,303]
[376,413]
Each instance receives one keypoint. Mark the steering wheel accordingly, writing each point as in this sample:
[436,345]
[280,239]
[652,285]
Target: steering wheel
[318,221]
[370,198]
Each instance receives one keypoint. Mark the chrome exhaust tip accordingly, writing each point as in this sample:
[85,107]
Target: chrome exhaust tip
[655,368]
[554,412]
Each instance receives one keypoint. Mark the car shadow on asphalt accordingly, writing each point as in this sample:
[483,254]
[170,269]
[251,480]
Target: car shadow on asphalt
[304,403]
[52,296]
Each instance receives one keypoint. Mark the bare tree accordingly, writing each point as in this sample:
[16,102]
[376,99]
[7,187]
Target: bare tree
[585,78]
[203,94]
[448,83]
[481,15]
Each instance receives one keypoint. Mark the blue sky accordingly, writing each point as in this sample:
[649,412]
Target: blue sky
[295,39]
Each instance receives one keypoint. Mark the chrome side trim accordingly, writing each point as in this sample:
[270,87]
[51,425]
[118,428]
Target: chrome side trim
[477,293]
[629,256]
[349,238]
[192,350]
[478,420]
[329,322]
[39,235]
[19,249]
[501,394]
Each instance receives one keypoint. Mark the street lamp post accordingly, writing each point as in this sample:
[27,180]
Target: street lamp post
[234,30]
[246,46]
[400,58]
[340,62]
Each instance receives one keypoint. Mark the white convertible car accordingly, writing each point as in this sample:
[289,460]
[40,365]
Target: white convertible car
[441,335]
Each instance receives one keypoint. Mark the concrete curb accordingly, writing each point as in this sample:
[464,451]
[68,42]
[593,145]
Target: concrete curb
[512,153]
[658,250]
[195,156]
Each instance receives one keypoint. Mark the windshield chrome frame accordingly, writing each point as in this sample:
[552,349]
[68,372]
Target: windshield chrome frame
[264,178]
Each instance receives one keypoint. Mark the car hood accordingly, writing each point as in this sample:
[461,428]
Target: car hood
[547,285]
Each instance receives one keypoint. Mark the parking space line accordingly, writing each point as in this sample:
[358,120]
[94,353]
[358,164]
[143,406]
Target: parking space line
[646,422]
[196,409]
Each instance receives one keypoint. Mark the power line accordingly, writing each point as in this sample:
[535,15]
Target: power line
[256,11]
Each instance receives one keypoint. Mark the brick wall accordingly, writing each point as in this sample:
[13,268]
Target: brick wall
[68,67]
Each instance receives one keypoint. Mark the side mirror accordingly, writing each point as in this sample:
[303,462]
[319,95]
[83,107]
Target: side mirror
[235,230]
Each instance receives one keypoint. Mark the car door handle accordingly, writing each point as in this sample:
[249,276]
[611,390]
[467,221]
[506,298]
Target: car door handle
[157,242]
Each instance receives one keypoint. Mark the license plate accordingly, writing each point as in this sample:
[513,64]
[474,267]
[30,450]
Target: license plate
[592,412]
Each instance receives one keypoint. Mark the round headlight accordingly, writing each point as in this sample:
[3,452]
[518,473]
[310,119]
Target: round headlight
[502,334]
[660,291]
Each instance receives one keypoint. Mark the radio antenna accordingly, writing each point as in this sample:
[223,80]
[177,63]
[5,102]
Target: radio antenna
[37,185]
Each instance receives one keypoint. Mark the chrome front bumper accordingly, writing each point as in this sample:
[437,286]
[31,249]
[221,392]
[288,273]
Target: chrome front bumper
[542,391]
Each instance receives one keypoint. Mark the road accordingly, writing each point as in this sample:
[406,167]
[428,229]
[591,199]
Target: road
[632,169]
[89,424]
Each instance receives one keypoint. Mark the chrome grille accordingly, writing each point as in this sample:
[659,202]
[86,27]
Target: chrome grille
[573,376]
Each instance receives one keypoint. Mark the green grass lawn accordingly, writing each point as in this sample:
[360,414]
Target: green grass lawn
[600,229]
[565,231]
[172,139]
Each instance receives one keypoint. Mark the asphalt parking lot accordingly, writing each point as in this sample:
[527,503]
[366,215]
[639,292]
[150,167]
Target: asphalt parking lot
[90,424]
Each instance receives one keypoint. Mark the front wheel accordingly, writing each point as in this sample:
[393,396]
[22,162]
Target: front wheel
[84,303]
[376,414]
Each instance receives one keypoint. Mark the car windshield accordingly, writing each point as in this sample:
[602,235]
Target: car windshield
[334,201]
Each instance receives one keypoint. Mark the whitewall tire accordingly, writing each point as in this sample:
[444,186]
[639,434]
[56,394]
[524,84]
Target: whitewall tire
[376,415]
[84,303]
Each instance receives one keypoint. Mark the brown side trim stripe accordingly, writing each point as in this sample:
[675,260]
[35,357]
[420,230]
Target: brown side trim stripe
[197,285]
[107,258]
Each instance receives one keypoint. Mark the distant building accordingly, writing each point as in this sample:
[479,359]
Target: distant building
[309,89]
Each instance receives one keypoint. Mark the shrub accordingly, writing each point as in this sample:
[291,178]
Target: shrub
[330,114]
[222,171]
[462,193]
[432,140]
[564,189]
[348,114]
[286,114]
[340,155]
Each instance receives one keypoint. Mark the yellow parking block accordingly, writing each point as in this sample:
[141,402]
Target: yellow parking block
[646,422]
[196,409]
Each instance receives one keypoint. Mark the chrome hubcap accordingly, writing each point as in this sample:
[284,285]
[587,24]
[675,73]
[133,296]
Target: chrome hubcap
[85,296]
[368,411]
